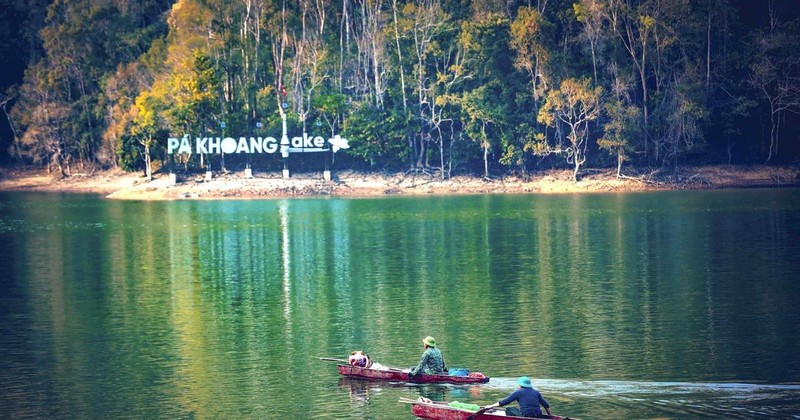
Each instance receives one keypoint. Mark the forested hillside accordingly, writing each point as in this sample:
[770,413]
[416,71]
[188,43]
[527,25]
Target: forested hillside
[444,86]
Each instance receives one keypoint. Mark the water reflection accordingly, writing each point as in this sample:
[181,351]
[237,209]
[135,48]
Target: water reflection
[625,305]
[285,260]
[612,399]
[361,390]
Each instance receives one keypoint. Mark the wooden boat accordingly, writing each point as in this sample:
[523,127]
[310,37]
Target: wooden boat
[394,374]
[426,409]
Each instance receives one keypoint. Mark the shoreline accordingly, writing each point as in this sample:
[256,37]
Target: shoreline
[115,184]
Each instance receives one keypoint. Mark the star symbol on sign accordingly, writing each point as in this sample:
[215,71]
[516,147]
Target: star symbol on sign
[338,143]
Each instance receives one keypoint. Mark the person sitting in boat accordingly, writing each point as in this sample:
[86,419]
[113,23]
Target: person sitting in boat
[528,398]
[432,361]
[360,359]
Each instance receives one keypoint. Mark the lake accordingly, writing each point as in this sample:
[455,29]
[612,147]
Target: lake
[635,305]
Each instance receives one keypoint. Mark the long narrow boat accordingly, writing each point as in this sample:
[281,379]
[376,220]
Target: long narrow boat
[394,374]
[441,411]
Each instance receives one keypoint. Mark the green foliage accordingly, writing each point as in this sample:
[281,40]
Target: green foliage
[196,101]
[329,107]
[129,153]
[529,38]
[619,129]
[574,105]
[484,112]
[377,137]
[148,118]
[456,84]
[487,43]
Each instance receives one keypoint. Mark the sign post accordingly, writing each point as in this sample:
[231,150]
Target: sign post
[285,144]
[326,173]
[222,152]
[248,171]
[209,174]
[173,177]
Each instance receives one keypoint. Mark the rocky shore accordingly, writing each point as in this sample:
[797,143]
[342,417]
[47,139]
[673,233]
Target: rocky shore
[116,184]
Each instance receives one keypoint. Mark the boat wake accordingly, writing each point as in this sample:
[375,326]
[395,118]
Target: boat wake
[656,399]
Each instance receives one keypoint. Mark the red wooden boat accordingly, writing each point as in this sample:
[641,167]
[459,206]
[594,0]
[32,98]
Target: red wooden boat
[441,411]
[394,374]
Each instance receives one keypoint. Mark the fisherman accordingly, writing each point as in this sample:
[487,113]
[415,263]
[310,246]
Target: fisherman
[528,398]
[432,361]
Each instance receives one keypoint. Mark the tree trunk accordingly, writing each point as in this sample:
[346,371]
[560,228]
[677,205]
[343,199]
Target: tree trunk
[772,136]
[421,156]
[148,166]
[594,61]
[708,48]
[399,56]
[575,172]
[441,154]
[643,78]
[486,160]
[57,161]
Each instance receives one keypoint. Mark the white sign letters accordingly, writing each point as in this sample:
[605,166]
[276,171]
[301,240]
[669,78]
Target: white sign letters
[231,145]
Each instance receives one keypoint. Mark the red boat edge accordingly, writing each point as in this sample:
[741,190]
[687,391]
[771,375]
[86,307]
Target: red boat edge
[394,374]
[441,411]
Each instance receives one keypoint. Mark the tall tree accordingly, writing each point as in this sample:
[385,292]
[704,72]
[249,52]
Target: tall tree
[147,124]
[491,90]
[775,73]
[633,25]
[529,41]
[574,104]
[42,117]
[591,14]
[429,24]
[619,127]
[120,91]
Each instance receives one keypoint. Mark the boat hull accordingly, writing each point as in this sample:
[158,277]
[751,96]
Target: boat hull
[392,374]
[441,411]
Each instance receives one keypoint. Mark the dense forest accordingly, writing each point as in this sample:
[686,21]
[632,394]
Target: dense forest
[443,86]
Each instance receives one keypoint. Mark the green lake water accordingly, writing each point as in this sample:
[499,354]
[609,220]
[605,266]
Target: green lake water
[645,305]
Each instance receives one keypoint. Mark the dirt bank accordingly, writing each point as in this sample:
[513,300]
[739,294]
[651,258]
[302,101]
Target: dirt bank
[119,185]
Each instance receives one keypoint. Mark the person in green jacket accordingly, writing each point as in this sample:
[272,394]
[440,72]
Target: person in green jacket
[432,361]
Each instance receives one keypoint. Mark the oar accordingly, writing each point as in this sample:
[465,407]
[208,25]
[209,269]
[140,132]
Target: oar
[478,413]
[332,359]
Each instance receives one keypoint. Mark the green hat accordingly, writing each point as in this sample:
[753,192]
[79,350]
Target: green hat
[429,341]
[524,382]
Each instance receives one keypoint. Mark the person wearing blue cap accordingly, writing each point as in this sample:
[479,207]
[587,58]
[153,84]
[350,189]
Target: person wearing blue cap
[432,361]
[528,398]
